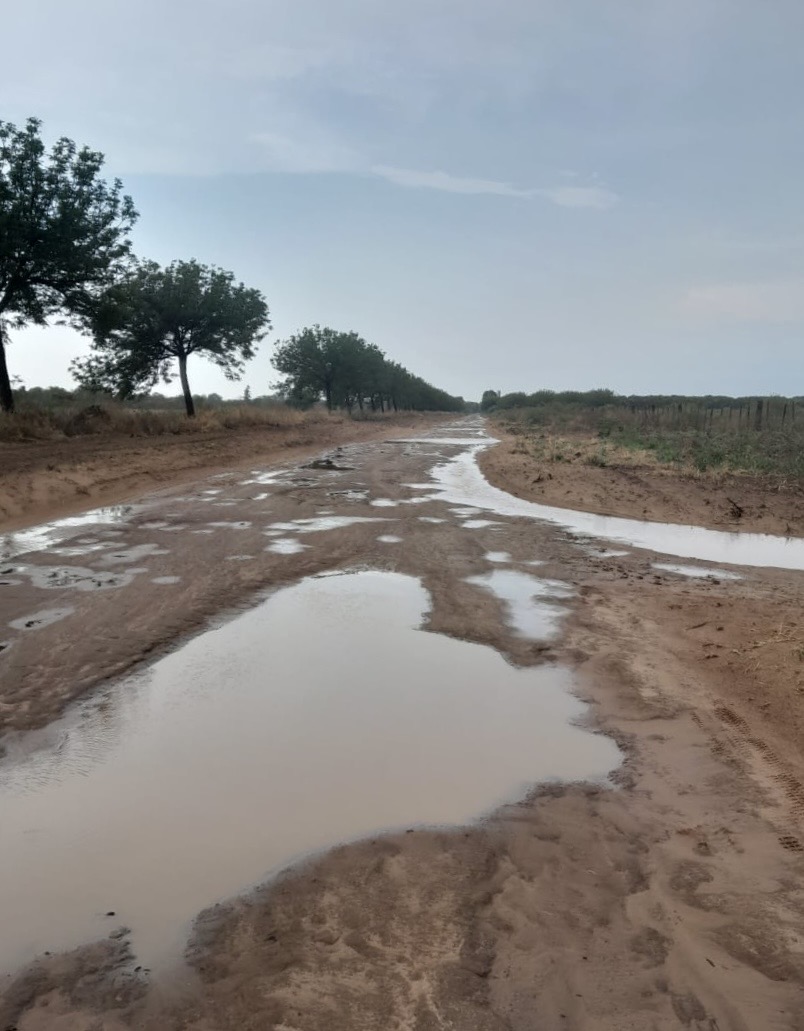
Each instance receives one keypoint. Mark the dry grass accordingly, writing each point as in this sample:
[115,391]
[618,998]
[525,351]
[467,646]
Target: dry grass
[118,420]
[618,436]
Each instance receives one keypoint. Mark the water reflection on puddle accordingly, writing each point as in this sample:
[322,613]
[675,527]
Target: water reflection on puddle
[321,523]
[529,615]
[696,572]
[319,716]
[460,482]
[41,537]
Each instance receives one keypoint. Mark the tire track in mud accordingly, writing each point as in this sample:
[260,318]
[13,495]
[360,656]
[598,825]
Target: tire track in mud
[779,773]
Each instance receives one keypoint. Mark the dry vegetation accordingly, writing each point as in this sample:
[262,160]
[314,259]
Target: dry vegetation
[760,436]
[46,423]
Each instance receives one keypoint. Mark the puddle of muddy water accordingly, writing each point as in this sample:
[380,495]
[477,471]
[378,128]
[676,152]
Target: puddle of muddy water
[459,481]
[321,523]
[287,546]
[529,601]
[319,716]
[44,618]
[38,538]
[75,577]
[696,572]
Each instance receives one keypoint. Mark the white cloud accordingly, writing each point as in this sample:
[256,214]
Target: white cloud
[769,301]
[563,196]
[448,183]
[580,197]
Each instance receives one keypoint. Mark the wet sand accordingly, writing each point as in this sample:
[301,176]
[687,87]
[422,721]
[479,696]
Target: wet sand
[45,480]
[596,475]
[668,898]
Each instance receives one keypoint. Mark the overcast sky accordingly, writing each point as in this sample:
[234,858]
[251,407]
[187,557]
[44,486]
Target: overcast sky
[515,195]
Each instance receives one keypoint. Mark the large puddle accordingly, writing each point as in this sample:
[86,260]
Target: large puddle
[459,481]
[322,715]
[48,535]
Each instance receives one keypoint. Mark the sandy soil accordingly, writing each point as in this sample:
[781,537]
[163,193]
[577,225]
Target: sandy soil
[671,899]
[635,485]
[44,480]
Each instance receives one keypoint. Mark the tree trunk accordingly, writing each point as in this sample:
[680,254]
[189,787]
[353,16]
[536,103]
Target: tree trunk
[6,394]
[185,386]
[328,394]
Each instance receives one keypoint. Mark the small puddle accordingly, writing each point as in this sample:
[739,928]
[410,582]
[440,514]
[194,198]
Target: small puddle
[287,546]
[697,572]
[37,620]
[322,523]
[38,538]
[260,742]
[529,615]
[459,481]
[75,577]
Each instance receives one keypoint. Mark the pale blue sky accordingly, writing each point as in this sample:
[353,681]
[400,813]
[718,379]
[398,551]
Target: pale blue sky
[516,195]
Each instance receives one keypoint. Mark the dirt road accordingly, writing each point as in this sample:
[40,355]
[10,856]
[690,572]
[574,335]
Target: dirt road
[43,480]
[667,898]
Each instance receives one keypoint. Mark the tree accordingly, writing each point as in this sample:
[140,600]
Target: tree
[63,232]
[489,400]
[348,371]
[156,317]
[311,361]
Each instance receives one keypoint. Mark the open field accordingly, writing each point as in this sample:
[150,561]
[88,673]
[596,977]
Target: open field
[665,895]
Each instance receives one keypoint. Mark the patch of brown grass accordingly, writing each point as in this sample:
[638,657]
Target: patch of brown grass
[118,420]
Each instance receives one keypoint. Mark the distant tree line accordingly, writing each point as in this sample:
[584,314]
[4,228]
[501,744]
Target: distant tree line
[669,410]
[65,252]
[347,372]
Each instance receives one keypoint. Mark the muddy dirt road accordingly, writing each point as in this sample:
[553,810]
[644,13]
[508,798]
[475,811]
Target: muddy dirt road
[584,783]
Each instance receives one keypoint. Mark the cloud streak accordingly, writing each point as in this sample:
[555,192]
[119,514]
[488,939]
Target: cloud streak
[580,197]
[564,196]
[412,179]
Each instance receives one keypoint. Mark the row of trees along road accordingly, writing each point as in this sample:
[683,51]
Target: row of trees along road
[347,372]
[65,252]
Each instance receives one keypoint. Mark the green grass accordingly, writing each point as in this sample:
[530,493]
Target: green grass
[694,440]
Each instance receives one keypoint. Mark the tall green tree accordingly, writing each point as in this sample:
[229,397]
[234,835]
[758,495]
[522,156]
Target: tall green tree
[63,232]
[347,371]
[314,363]
[146,326]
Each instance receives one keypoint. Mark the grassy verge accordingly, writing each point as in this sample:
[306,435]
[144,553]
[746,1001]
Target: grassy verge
[109,419]
[621,437]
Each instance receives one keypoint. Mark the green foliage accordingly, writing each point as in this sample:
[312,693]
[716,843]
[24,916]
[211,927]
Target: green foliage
[489,400]
[63,231]
[344,369]
[760,435]
[154,318]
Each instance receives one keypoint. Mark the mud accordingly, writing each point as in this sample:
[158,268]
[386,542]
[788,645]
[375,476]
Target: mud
[270,713]
[667,898]
[634,484]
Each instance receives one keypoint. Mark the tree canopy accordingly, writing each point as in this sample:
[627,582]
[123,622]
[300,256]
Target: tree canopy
[147,325]
[346,371]
[63,231]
